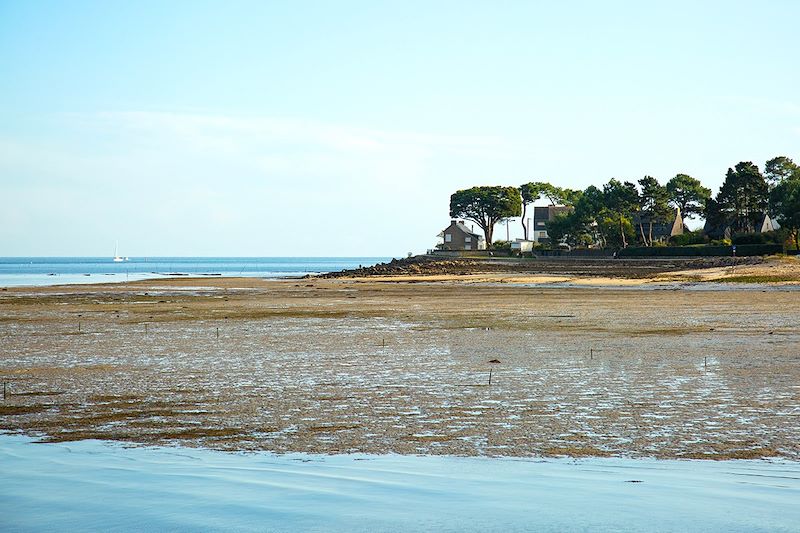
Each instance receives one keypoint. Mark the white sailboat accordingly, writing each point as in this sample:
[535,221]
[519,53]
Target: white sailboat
[117,257]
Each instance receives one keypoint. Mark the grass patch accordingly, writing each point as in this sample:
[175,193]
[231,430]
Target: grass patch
[758,279]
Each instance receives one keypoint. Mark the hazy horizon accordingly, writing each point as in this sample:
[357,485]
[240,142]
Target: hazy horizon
[250,129]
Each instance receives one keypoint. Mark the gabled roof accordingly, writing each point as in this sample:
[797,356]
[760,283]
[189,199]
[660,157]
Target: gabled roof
[461,227]
[465,229]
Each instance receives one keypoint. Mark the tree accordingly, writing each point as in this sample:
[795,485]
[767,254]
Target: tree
[486,206]
[568,228]
[587,210]
[541,189]
[530,192]
[653,205]
[786,202]
[621,201]
[570,197]
[688,194]
[779,169]
[744,196]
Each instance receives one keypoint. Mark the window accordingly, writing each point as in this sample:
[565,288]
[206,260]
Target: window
[448,237]
[467,239]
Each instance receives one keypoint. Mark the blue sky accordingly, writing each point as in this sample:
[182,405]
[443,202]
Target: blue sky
[342,128]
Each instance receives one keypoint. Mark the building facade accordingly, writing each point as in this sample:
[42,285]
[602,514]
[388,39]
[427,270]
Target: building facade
[457,236]
[542,215]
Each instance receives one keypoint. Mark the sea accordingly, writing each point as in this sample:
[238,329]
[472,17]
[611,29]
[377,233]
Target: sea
[40,271]
[98,486]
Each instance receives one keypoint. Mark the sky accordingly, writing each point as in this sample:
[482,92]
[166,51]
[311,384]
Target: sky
[342,128]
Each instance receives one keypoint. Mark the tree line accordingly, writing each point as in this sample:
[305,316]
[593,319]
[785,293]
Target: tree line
[622,212]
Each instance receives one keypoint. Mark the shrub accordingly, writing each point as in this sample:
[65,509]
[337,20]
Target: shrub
[689,238]
[769,237]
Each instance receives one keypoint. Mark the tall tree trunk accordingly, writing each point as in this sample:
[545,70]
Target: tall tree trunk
[487,231]
[524,227]
[641,230]
[622,233]
[651,232]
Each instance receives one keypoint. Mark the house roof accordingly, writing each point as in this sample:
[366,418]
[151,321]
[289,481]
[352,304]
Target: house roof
[461,227]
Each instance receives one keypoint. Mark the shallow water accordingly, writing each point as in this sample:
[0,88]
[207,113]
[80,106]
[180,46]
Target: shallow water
[42,271]
[91,485]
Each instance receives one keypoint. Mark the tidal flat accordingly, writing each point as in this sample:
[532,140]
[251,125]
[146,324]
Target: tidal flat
[334,366]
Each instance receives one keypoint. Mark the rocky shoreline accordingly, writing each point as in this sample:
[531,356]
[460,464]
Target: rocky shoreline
[424,265]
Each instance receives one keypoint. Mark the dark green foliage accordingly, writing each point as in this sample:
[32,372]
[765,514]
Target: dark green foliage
[653,207]
[621,201]
[689,238]
[785,199]
[568,228]
[779,169]
[486,206]
[768,237]
[688,194]
[540,189]
[743,197]
[501,246]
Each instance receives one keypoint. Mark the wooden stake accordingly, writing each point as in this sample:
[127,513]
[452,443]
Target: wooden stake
[705,363]
[490,375]
[79,326]
[145,328]
[218,333]
[383,343]
[591,354]
[4,390]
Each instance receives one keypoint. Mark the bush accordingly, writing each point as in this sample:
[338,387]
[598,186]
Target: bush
[689,238]
[501,246]
[769,237]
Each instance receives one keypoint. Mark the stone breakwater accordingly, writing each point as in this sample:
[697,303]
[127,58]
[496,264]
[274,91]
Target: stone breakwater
[604,267]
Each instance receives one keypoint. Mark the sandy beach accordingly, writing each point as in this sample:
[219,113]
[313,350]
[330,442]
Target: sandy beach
[663,366]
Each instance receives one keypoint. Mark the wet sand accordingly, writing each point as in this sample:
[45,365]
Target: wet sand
[402,365]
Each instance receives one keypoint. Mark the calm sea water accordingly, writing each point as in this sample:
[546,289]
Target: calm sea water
[94,486]
[36,271]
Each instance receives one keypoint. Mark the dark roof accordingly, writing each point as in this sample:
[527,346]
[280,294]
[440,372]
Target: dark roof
[461,227]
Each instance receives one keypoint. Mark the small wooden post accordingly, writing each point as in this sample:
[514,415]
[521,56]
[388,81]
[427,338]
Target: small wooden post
[490,375]
[4,390]
[705,363]
[218,333]
[79,326]
[383,343]
[145,328]
[591,354]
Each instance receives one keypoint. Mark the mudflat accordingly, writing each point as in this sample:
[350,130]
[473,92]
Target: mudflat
[665,369]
